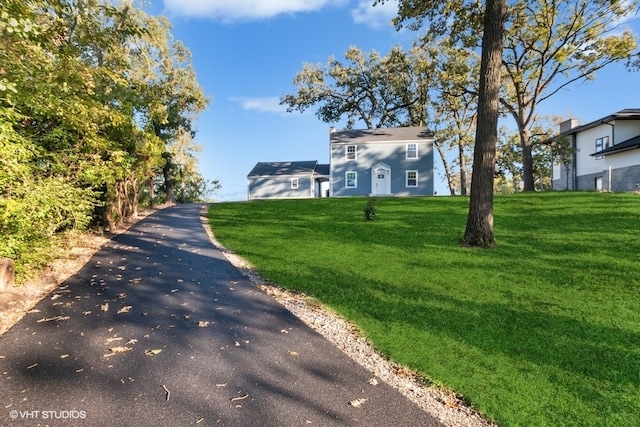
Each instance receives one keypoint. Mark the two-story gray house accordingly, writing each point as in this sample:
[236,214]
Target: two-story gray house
[382,162]
[606,154]
[377,162]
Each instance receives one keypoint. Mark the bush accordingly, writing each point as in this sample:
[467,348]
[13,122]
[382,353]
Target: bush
[31,217]
[370,210]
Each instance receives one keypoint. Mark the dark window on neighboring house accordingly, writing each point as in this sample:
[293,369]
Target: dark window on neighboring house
[351,152]
[295,183]
[601,144]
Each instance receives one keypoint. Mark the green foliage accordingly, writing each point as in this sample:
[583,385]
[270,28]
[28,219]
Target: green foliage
[542,330]
[91,95]
[550,45]
[370,209]
[380,91]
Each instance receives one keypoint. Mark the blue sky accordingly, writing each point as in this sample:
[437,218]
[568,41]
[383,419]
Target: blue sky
[247,52]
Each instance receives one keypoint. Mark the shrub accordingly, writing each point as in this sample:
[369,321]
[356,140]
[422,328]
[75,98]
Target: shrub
[370,210]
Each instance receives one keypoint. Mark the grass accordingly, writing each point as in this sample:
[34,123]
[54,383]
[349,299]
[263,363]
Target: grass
[543,330]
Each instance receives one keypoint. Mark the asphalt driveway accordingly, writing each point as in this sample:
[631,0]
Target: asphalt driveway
[159,329]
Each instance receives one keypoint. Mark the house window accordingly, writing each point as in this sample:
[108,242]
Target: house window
[412,151]
[352,180]
[412,178]
[351,152]
[295,183]
[601,144]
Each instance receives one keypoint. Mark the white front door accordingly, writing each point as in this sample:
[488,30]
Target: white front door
[381,180]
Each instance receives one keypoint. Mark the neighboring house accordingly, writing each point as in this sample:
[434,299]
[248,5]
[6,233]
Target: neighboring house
[383,162]
[606,154]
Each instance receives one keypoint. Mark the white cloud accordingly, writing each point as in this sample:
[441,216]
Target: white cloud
[243,10]
[262,105]
[376,17]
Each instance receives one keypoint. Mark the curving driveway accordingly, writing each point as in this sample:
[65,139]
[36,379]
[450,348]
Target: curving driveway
[159,329]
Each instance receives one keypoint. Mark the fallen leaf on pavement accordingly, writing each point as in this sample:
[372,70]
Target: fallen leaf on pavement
[124,309]
[356,403]
[52,319]
[233,399]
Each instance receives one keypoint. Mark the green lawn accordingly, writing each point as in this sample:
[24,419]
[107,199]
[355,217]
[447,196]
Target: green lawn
[543,330]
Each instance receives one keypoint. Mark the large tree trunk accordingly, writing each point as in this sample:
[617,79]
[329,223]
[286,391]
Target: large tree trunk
[527,161]
[479,230]
[169,184]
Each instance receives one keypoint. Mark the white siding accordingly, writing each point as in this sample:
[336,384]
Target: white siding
[623,159]
[625,130]
[586,145]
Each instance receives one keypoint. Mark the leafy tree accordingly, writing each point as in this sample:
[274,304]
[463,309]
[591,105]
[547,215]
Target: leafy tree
[461,20]
[379,91]
[509,165]
[551,44]
[452,113]
[170,95]
[84,88]
[45,138]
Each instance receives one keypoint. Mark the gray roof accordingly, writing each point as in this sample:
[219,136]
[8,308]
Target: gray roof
[380,135]
[287,168]
[629,144]
[626,114]
[323,169]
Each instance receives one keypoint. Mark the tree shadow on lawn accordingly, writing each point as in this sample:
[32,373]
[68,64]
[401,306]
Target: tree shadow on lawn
[552,342]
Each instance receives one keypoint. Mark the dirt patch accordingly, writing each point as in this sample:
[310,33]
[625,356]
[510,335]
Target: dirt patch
[19,300]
